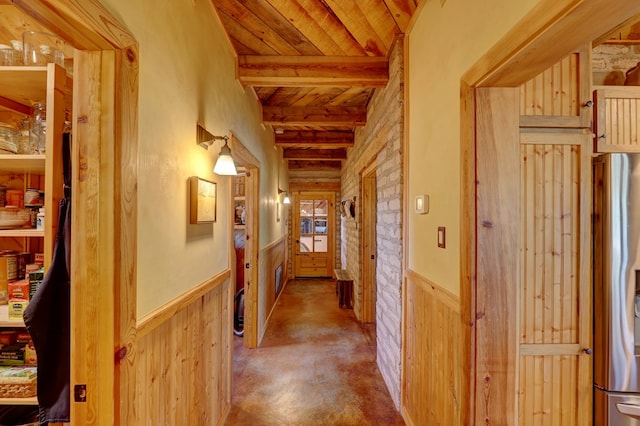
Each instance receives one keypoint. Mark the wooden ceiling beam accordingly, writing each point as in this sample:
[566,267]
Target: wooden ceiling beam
[317,140]
[308,165]
[305,186]
[314,154]
[313,71]
[314,116]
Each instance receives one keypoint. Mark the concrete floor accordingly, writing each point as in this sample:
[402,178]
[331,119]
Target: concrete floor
[316,366]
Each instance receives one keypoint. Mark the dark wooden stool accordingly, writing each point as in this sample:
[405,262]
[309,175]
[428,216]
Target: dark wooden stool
[344,288]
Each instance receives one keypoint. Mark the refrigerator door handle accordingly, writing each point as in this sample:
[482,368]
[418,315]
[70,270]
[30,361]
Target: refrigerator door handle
[629,409]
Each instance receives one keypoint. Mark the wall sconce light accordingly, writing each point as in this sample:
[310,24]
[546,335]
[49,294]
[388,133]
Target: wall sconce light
[224,164]
[286,199]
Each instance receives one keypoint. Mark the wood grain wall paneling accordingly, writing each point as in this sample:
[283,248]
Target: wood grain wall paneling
[560,95]
[184,362]
[549,94]
[433,355]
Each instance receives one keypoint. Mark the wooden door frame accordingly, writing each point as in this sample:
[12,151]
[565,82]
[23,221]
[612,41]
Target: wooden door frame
[244,158]
[369,234]
[554,30]
[103,317]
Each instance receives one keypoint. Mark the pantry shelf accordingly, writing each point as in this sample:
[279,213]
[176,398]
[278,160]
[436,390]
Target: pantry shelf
[22,163]
[19,401]
[4,318]
[21,232]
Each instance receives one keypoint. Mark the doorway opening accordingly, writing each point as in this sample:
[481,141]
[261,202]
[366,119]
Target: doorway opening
[369,245]
[246,189]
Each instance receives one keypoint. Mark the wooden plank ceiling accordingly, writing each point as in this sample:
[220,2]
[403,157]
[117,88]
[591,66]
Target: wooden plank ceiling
[314,65]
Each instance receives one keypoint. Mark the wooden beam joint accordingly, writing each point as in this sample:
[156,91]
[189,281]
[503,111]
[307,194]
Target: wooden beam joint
[315,139]
[313,71]
[314,154]
[314,116]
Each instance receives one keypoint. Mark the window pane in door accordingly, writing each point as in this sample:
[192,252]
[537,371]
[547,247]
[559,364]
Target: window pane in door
[320,244]
[305,225]
[306,244]
[306,208]
[321,208]
[320,225]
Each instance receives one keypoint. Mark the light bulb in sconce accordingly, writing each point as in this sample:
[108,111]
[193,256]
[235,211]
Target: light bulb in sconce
[285,199]
[225,165]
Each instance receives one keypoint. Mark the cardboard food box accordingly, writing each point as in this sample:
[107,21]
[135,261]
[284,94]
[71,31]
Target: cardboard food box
[16,309]
[8,337]
[23,260]
[12,354]
[8,272]
[18,290]
[35,279]
[23,336]
[30,357]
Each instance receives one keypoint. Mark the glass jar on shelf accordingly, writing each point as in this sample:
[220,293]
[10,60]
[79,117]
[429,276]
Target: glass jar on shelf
[6,55]
[38,129]
[8,139]
[18,52]
[23,142]
[41,48]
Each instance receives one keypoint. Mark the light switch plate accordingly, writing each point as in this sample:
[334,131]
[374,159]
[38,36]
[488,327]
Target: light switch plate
[422,204]
[442,237]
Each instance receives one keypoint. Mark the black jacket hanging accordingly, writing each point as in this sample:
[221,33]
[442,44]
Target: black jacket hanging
[47,316]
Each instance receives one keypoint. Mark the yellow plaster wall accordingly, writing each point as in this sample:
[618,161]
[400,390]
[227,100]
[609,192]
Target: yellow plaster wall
[444,42]
[186,76]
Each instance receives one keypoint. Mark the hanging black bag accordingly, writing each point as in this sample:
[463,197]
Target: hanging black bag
[47,316]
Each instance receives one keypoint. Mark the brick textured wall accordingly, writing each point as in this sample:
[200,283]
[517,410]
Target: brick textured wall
[610,62]
[380,141]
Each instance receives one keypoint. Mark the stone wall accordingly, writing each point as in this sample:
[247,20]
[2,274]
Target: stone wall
[610,62]
[380,141]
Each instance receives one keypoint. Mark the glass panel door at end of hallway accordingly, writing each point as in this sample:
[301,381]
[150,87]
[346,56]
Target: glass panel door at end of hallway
[314,229]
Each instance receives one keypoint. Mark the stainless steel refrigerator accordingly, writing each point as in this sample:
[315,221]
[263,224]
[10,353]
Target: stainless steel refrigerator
[616,301]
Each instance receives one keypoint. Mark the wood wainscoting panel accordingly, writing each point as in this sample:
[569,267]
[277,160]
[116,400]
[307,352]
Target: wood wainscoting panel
[272,256]
[184,364]
[434,354]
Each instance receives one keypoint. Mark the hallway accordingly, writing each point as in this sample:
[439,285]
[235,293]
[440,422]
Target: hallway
[316,366]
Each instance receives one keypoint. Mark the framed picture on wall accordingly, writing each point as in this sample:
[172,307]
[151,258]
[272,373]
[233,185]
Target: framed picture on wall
[202,200]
